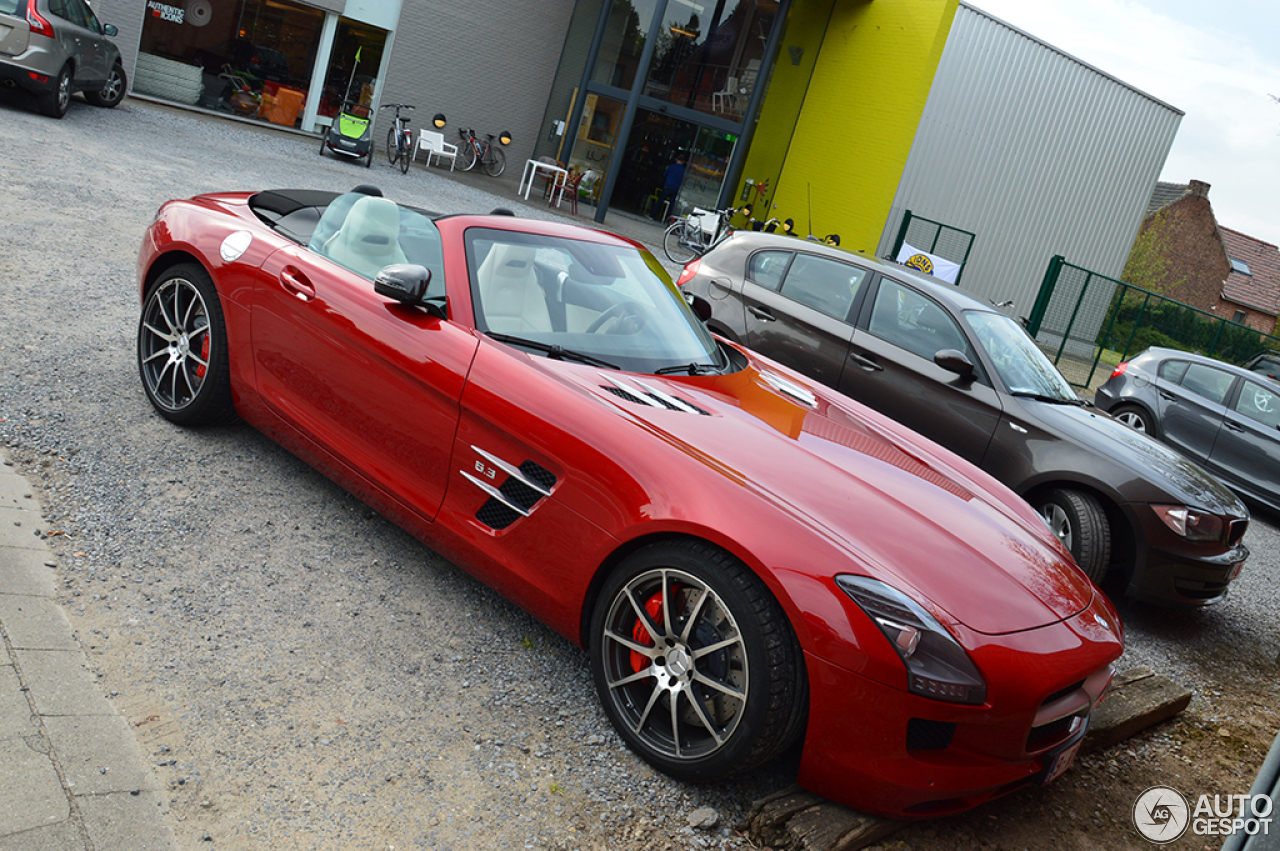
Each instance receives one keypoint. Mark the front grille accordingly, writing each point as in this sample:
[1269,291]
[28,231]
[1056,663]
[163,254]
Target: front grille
[1039,735]
[926,735]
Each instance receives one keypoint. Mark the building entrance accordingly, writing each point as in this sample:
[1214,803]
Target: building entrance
[670,166]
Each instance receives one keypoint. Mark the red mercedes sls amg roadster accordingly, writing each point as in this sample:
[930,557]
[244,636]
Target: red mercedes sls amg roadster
[751,560]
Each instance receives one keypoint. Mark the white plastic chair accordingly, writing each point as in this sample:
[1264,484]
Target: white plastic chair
[728,93]
[435,146]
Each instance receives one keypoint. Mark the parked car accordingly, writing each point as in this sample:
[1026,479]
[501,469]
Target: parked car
[1225,417]
[1132,512]
[1265,363]
[748,558]
[53,48]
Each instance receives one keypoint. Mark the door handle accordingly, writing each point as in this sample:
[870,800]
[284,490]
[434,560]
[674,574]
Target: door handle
[296,282]
[1168,396]
[869,364]
[1233,426]
[762,313]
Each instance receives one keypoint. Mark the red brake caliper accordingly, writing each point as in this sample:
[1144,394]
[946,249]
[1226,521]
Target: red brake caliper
[204,354]
[640,634]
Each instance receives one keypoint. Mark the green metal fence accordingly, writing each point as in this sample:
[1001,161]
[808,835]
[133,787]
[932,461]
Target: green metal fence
[1087,323]
[937,238]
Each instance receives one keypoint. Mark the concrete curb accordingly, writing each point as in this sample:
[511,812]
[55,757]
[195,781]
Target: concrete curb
[72,777]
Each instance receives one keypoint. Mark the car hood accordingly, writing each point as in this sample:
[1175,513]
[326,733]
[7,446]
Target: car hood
[910,513]
[1140,467]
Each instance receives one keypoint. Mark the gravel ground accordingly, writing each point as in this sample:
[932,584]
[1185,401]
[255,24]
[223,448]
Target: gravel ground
[304,674]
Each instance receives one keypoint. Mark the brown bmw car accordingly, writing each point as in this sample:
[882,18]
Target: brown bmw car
[1135,514]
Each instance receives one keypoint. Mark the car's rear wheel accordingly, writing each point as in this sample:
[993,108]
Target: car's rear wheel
[182,349]
[695,661]
[1079,522]
[112,92]
[1135,418]
[54,103]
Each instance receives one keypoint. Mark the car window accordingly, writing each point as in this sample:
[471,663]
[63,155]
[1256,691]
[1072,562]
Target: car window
[913,321]
[610,302]
[823,284]
[1259,402]
[766,268]
[1207,381]
[10,7]
[1173,370]
[1266,366]
[60,9]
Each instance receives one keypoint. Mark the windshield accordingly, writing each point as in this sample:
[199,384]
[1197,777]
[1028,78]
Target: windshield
[612,303]
[1017,360]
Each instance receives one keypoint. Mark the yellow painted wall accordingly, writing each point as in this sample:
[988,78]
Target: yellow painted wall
[838,126]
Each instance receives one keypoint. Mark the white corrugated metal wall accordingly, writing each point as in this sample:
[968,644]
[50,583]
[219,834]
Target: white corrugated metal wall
[1034,151]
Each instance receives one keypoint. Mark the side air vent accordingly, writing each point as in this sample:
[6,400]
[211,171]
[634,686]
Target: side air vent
[642,393]
[517,496]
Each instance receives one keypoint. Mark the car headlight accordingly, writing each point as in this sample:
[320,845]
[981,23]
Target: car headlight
[1189,523]
[937,666]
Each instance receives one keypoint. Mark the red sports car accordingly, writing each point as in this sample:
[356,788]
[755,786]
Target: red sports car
[751,560]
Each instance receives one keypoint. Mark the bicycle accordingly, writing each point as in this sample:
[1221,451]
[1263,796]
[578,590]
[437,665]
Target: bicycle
[399,138]
[472,150]
[693,235]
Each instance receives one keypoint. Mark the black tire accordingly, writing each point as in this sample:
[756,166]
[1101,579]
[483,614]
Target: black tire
[55,103]
[466,153]
[1135,418]
[751,693]
[324,141]
[112,92]
[406,156]
[1080,523]
[678,244]
[368,160]
[393,145]
[182,349]
[495,162]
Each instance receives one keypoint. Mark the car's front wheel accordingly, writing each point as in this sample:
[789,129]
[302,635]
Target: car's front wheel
[1079,522]
[112,92]
[182,349]
[695,661]
[1135,418]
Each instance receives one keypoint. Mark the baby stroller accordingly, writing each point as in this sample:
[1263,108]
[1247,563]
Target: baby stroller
[351,133]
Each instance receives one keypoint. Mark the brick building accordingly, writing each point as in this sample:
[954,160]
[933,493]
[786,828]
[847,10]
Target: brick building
[1182,252]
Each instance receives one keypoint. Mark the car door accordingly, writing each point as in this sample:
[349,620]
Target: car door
[797,310]
[1192,399]
[891,369]
[81,36]
[375,383]
[1247,449]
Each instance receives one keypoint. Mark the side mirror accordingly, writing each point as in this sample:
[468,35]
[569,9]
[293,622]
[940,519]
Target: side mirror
[701,307]
[954,361]
[404,282]
[110,30]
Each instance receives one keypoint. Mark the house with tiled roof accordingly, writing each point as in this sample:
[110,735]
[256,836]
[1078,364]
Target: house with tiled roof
[1182,252]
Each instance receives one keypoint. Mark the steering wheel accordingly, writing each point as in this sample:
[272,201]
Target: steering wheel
[629,317]
[1262,400]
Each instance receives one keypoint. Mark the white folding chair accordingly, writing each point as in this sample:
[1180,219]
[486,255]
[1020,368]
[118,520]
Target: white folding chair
[435,146]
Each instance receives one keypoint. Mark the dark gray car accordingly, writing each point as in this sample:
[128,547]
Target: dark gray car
[1133,512]
[52,48]
[1225,417]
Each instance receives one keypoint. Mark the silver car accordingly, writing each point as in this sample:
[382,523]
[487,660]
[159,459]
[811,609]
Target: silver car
[1226,417]
[52,48]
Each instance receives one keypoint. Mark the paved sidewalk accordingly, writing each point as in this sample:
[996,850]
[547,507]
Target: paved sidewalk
[71,775]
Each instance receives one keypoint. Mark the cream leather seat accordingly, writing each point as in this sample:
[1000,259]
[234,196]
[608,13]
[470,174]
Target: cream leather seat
[369,238]
[511,301]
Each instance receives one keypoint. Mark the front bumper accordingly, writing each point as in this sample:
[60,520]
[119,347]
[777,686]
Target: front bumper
[881,750]
[1180,572]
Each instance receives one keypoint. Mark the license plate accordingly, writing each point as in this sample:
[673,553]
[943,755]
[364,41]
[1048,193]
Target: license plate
[1062,762]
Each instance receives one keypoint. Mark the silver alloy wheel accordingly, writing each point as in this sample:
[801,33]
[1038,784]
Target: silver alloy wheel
[675,664]
[174,343]
[113,90]
[64,91]
[1056,519]
[1132,419]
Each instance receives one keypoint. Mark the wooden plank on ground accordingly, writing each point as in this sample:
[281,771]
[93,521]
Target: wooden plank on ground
[1138,699]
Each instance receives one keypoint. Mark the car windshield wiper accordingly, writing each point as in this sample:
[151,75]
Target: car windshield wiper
[553,352]
[689,369]
[1052,400]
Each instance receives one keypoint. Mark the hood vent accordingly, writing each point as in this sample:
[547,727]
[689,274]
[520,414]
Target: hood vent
[643,393]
